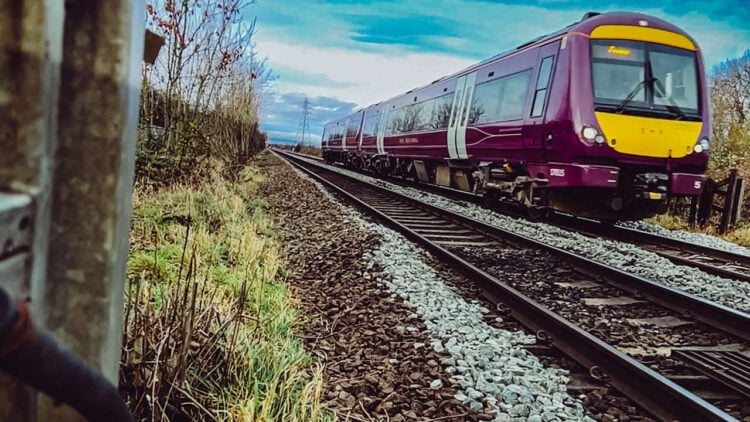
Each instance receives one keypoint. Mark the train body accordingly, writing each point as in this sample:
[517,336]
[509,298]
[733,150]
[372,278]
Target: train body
[607,118]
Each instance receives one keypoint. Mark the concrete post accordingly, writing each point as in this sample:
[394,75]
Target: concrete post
[94,166]
[68,149]
[30,56]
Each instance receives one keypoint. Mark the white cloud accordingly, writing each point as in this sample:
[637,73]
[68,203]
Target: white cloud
[717,40]
[364,77]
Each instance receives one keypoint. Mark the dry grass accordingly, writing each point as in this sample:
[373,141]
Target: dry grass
[209,329]
[739,234]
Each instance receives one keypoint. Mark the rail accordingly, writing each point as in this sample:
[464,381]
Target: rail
[714,261]
[659,395]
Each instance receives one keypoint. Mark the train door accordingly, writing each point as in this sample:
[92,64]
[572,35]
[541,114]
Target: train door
[361,130]
[535,133]
[382,123]
[343,136]
[460,116]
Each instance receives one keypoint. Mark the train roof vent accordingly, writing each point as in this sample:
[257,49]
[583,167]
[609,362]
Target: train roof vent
[588,15]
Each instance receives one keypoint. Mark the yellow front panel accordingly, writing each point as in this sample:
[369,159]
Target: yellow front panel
[642,33]
[649,137]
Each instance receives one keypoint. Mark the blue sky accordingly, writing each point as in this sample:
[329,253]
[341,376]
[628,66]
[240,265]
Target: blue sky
[344,55]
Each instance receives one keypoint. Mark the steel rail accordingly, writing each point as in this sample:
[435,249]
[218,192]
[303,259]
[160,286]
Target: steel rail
[657,394]
[690,306]
[650,241]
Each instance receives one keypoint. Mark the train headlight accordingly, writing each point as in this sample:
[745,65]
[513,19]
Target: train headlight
[701,146]
[589,133]
[600,139]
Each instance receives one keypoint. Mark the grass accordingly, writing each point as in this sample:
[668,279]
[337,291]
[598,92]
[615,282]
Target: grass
[739,234]
[209,326]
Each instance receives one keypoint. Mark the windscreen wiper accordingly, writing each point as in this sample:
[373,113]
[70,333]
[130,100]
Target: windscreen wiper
[673,107]
[620,107]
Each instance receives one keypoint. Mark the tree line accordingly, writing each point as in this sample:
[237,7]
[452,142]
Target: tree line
[200,100]
[729,84]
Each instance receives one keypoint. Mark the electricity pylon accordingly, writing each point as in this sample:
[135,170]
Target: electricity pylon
[303,131]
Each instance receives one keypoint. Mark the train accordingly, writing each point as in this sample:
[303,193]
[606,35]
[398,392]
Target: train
[607,118]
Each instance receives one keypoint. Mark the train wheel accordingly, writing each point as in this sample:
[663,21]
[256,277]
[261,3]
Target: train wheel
[490,199]
[537,213]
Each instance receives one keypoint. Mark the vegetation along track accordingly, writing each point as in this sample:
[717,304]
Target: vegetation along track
[464,244]
[714,261]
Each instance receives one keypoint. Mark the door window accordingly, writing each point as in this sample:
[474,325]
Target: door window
[542,84]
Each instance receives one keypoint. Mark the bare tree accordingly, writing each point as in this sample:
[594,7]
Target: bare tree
[201,97]
[730,101]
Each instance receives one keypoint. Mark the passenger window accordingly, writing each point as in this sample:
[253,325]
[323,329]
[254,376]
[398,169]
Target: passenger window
[441,112]
[500,99]
[540,95]
[395,121]
[353,128]
[371,125]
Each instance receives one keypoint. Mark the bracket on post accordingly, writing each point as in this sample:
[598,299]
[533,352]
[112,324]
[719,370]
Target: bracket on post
[16,216]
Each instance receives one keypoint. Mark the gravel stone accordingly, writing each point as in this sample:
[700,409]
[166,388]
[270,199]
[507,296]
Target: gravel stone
[459,325]
[624,256]
[371,371]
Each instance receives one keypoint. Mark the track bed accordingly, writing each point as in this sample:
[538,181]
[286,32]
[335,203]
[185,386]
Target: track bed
[584,310]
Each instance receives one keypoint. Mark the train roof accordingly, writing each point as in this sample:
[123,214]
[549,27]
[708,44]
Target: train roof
[588,22]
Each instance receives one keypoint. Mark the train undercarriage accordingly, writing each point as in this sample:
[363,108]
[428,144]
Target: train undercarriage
[637,194]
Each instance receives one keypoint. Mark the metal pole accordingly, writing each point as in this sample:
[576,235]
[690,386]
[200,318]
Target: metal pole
[728,201]
[693,210]
[739,195]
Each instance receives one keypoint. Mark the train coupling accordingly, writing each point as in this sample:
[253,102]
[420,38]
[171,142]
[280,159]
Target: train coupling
[651,186]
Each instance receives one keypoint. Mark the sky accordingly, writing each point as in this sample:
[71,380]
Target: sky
[345,55]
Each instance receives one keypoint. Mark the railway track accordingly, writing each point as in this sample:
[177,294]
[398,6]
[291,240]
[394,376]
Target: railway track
[714,261]
[452,237]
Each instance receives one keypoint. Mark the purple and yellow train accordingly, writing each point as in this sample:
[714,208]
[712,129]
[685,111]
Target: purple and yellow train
[607,118]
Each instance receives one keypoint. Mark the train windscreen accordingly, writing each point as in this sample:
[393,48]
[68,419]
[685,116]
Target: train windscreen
[644,78]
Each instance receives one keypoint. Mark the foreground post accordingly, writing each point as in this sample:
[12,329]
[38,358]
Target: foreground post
[91,118]
[30,56]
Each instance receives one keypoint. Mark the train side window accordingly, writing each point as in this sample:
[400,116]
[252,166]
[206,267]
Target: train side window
[424,114]
[371,125]
[339,131]
[410,119]
[500,99]
[542,83]
[353,128]
[441,111]
[395,121]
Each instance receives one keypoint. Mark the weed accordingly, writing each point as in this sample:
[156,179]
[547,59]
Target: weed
[209,329]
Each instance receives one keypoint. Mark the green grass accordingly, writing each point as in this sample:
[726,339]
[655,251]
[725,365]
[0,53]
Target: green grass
[210,327]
